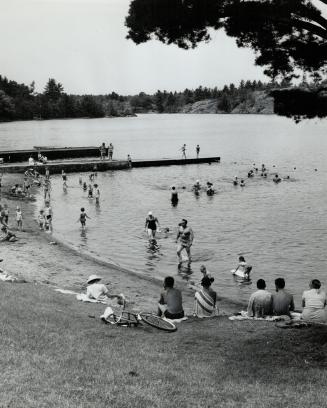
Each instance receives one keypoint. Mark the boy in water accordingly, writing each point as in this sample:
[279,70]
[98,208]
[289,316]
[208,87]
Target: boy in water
[19,218]
[97,194]
[41,220]
[82,217]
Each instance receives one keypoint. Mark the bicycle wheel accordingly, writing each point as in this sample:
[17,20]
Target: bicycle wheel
[125,319]
[156,321]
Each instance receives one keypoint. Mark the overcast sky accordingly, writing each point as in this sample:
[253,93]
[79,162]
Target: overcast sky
[81,43]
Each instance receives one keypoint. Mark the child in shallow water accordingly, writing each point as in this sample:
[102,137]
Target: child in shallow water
[243,270]
[19,218]
[82,217]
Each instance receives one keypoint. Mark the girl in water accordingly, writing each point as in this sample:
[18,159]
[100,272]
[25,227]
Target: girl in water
[82,218]
[242,270]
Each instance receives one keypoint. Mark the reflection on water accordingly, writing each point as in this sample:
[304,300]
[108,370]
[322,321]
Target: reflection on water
[278,227]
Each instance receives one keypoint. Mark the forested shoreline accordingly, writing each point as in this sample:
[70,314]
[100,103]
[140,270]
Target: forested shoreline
[22,102]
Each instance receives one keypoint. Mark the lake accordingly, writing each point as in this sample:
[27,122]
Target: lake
[279,228]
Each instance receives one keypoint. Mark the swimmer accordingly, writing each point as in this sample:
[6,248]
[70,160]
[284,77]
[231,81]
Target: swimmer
[63,175]
[48,214]
[41,220]
[174,196]
[205,273]
[82,218]
[277,179]
[197,187]
[235,181]
[80,179]
[250,174]
[19,218]
[84,186]
[185,237]
[153,245]
[210,190]
[151,224]
[242,270]
[183,150]
[91,177]
[90,192]
[64,185]
[242,184]
[97,194]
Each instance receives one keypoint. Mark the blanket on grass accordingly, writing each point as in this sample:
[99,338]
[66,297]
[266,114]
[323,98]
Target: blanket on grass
[244,316]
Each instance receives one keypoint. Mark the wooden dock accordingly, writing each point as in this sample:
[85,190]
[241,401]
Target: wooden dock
[95,164]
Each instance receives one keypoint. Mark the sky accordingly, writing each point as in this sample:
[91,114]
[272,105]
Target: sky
[82,44]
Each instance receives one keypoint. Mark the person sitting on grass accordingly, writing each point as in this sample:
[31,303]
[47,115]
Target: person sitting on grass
[170,302]
[314,302]
[282,301]
[98,291]
[205,299]
[7,235]
[260,301]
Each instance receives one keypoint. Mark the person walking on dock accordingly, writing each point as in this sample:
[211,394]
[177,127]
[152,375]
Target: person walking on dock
[197,149]
[110,151]
[183,149]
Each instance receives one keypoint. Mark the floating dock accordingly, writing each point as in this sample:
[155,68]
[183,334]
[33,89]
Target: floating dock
[92,164]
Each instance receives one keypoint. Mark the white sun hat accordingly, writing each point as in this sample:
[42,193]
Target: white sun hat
[93,277]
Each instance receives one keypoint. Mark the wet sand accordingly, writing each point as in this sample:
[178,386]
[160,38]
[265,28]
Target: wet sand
[35,259]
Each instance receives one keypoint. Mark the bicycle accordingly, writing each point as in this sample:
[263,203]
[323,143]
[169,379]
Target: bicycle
[134,319]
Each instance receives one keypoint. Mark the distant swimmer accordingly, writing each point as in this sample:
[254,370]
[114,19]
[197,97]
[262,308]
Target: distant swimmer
[210,189]
[184,238]
[151,225]
[153,244]
[196,187]
[97,194]
[250,173]
[243,270]
[235,181]
[197,150]
[82,218]
[277,179]
[242,184]
[63,175]
[90,192]
[183,150]
[263,168]
[64,186]
[174,196]
[80,179]
[84,186]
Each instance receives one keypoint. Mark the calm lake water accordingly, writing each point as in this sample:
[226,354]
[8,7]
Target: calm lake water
[280,229]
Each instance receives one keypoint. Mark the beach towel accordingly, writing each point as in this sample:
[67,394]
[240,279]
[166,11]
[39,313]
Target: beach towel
[244,316]
[84,298]
[204,304]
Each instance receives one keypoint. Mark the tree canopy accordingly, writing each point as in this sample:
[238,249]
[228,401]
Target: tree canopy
[288,36]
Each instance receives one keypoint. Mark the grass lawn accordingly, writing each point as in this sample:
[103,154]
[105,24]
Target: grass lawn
[52,354]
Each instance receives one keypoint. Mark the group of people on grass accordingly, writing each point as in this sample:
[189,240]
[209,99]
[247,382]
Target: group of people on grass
[263,303]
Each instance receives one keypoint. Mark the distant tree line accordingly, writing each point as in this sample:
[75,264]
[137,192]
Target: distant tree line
[21,102]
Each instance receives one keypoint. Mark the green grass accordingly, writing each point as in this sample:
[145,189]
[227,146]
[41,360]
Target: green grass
[52,354]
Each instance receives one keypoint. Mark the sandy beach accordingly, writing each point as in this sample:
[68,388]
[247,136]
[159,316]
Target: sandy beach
[35,258]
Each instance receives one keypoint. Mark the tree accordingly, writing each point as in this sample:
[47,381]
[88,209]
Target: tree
[288,36]
[53,90]
[7,107]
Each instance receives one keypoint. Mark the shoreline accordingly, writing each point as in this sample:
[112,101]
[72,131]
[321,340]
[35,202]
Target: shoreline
[62,265]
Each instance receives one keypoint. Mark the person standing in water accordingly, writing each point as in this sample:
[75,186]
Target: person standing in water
[97,194]
[197,149]
[174,196]
[151,225]
[82,218]
[19,218]
[48,214]
[184,238]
